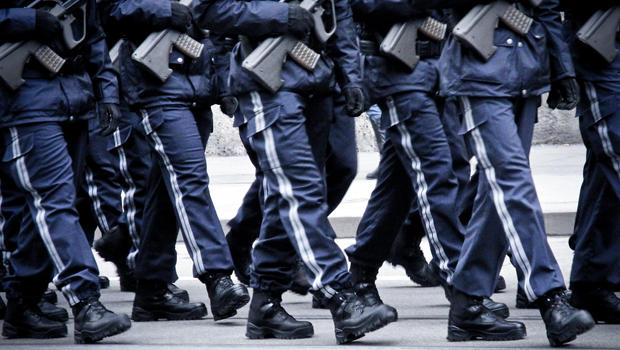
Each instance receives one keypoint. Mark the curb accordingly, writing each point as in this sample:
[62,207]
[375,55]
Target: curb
[556,224]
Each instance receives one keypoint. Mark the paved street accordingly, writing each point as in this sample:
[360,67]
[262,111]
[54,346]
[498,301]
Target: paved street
[422,319]
[422,311]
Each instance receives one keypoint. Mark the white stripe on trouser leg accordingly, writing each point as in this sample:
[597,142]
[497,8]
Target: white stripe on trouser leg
[601,127]
[425,208]
[39,219]
[286,191]
[95,201]
[129,203]
[186,228]
[2,223]
[500,205]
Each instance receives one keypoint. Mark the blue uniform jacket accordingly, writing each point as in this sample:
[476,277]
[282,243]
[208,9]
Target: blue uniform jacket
[261,19]
[521,66]
[384,76]
[67,95]
[191,82]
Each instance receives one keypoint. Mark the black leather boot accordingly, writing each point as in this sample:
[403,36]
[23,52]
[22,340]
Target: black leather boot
[94,322]
[178,292]
[353,318]
[240,251]
[127,280]
[600,302]
[406,252]
[52,311]
[104,282]
[153,302]
[50,296]
[563,321]
[225,296]
[114,246]
[363,279]
[470,320]
[23,319]
[499,309]
[500,285]
[300,283]
[522,302]
[2,309]
[268,319]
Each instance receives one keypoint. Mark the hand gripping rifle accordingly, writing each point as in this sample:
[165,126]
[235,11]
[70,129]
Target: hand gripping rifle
[13,56]
[599,32]
[154,52]
[400,41]
[266,61]
[477,28]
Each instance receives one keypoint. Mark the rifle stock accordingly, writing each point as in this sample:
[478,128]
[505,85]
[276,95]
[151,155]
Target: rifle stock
[154,52]
[476,29]
[265,62]
[400,41]
[13,56]
[599,32]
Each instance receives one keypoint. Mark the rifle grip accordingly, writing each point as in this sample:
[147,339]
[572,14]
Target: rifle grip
[12,63]
[155,58]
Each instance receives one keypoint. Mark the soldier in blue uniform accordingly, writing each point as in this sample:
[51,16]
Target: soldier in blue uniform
[497,100]
[340,168]
[274,128]
[43,126]
[595,272]
[173,116]
[416,165]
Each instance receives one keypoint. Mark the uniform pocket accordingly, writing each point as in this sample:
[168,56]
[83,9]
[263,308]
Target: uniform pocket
[19,146]
[118,138]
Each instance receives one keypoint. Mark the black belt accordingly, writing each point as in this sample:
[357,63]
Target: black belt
[423,48]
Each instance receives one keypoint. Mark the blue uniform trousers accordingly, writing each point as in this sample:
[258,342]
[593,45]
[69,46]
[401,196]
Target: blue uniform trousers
[498,131]
[177,137]
[134,164]
[41,160]
[415,165]
[99,196]
[340,169]
[596,239]
[294,199]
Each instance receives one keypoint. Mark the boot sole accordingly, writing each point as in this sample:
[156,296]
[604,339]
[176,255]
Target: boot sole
[230,306]
[82,337]
[458,334]
[256,332]
[347,335]
[10,331]
[139,314]
[569,333]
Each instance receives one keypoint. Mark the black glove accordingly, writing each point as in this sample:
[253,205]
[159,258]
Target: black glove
[564,94]
[228,105]
[354,98]
[181,18]
[300,21]
[46,27]
[109,114]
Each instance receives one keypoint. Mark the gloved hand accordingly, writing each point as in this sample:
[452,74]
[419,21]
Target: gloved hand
[228,105]
[354,98]
[109,114]
[564,94]
[300,21]
[181,18]
[46,27]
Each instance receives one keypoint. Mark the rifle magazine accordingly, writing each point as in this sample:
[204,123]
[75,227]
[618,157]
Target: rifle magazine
[304,56]
[49,59]
[188,46]
[517,21]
